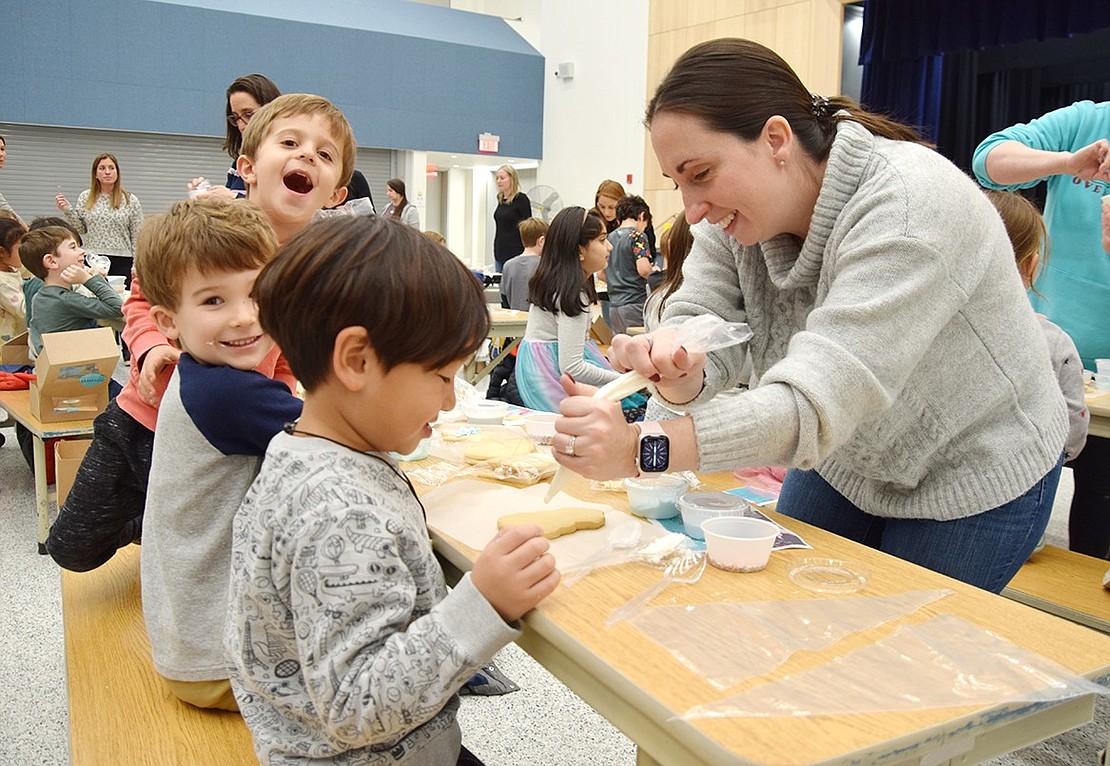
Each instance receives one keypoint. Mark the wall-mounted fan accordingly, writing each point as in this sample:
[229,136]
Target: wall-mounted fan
[546,202]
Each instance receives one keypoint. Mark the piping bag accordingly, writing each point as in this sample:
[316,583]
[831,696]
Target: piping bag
[698,334]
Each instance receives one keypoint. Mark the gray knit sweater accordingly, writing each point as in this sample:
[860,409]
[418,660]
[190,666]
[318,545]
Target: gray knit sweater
[895,350]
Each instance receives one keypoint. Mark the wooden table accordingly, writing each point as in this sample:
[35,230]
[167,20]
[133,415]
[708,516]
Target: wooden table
[504,323]
[18,405]
[120,712]
[640,688]
[1098,404]
[1064,583]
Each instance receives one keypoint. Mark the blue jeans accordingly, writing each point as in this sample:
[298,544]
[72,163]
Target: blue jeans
[984,550]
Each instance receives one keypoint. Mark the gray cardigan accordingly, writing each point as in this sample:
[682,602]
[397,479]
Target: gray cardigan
[895,350]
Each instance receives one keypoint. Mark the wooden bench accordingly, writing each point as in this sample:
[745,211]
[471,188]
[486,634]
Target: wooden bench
[119,710]
[1066,584]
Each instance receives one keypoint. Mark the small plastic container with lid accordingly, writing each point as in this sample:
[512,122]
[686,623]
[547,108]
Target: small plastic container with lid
[655,497]
[700,506]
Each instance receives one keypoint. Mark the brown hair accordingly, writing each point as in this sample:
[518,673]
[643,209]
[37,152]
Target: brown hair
[295,105]
[199,235]
[119,194]
[1025,228]
[558,283]
[11,229]
[39,243]
[416,300]
[259,87]
[760,85]
[531,229]
[398,187]
[436,237]
[613,190]
[675,244]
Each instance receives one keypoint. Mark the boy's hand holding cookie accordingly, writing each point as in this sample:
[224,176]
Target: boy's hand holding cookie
[515,571]
[76,274]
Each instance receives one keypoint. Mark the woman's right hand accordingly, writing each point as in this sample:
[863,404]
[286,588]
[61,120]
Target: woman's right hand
[676,372]
[154,361]
[61,201]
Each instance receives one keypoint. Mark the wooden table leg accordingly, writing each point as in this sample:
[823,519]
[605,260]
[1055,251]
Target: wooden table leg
[42,499]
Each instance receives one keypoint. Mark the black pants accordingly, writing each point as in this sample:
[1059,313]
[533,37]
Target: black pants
[104,510]
[1089,522]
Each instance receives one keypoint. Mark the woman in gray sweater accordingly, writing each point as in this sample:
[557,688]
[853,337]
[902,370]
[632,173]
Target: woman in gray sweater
[898,367]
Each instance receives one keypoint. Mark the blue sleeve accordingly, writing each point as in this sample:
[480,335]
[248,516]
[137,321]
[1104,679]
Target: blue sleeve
[1056,131]
[237,411]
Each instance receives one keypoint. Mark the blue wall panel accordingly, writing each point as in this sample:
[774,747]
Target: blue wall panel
[434,80]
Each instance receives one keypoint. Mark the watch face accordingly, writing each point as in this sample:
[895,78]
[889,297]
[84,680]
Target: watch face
[655,453]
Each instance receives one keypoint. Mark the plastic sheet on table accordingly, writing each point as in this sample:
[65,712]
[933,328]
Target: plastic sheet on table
[730,641]
[941,663]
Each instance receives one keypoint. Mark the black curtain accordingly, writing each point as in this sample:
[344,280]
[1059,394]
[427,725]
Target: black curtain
[924,63]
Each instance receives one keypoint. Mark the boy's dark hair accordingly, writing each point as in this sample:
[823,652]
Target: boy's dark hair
[55,220]
[531,229]
[630,206]
[37,244]
[202,235]
[416,300]
[558,284]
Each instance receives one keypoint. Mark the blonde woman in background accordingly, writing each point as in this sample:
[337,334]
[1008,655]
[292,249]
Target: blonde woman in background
[106,214]
[513,206]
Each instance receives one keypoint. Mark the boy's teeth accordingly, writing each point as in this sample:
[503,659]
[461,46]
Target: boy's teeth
[725,222]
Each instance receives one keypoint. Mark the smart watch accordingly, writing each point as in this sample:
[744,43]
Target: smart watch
[653,454]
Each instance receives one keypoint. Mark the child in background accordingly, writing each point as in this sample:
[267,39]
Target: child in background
[629,265]
[53,255]
[345,645]
[562,292]
[675,243]
[13,314]
[514,295]
[198,263]
[1027,233]
[518,271]
[295,142]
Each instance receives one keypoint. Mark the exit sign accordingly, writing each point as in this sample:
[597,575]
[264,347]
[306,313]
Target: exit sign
[488,143]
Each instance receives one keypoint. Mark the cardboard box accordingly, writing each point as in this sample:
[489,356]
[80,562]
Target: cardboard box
[72,374]
[16,351]
[68,454]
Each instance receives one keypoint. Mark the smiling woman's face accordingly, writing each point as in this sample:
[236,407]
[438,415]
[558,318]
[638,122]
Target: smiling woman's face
[723,179]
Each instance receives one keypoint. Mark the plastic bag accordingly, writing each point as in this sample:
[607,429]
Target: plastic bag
[727,642]
[944,662]
[519,470]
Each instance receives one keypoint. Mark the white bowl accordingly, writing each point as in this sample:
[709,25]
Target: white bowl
[655,497]
[698,507]
[739,543]
[487,412]
[540,426]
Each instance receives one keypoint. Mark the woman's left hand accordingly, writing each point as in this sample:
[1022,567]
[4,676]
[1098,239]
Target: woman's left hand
[592,438]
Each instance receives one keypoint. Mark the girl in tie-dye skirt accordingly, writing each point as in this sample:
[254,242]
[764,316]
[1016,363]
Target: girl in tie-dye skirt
[561,292]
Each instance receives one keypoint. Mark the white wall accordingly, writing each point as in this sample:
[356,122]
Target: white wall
[592,126]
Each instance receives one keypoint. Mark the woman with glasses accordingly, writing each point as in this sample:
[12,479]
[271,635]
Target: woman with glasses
[245,96]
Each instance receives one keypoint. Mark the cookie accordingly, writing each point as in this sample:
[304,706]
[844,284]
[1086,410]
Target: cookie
[557,523]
